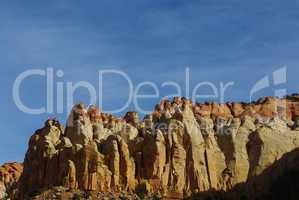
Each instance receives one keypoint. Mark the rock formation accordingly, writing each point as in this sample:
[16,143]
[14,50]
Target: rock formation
[178,150]
[9,176]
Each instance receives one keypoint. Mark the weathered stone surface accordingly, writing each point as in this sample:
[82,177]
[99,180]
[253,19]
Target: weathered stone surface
[178,150]
[79,128]
[120,163]
[9,176]
[267,145]
[3,193]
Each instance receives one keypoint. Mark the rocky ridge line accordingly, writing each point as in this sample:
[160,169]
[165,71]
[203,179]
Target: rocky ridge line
[178,150]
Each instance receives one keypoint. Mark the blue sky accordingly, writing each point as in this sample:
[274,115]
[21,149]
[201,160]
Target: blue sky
[223,40]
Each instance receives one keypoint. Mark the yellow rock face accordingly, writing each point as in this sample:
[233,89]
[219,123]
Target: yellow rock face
[181,148]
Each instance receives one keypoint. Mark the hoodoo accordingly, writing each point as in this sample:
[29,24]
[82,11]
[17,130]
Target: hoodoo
[179,150]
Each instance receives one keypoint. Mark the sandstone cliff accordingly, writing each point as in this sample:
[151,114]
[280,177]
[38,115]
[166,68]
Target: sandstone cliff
[9,176]
[179,150]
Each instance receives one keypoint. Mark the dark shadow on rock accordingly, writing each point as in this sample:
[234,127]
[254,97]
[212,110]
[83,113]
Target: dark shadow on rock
[280,181]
